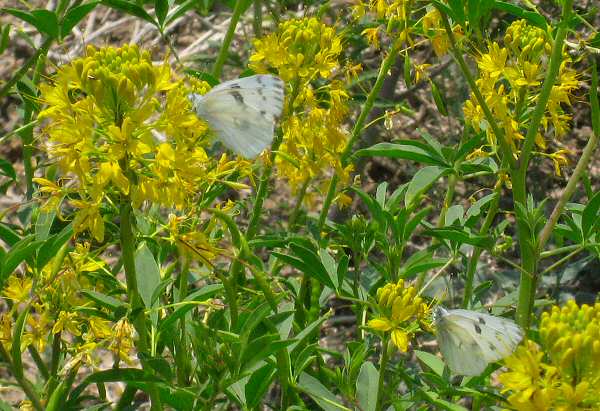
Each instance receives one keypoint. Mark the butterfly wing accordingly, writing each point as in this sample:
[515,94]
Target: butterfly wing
[242,112]
[461,351]
[475,339]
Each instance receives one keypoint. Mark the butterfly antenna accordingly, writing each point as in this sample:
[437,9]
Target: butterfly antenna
[436,275]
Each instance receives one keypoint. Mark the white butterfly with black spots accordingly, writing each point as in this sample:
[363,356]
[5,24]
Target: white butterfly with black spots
[242,113]
[470,340]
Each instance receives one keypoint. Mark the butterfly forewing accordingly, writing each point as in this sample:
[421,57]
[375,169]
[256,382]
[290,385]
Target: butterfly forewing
[242,112]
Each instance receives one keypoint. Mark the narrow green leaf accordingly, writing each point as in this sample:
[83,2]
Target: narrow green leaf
[47,22]
[180,11]
[43,224]
[399,150]
[4,37]
[366,386]
[189,303]
[8,235]
[161,8]
[110,303]
[74,15]
[51,246]
[534,18]
[16,343]
[6,168]
[257,385]
[113,375]
[433,362]
[147,272]
[422,181]
[129,8]
[21,251]
[319,393]
[591,214]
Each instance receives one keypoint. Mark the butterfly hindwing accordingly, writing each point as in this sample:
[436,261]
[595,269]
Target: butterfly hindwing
[242,112]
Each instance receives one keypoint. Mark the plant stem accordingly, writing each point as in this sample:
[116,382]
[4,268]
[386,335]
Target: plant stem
[474,258]
[298,206]
[22,381]
[135,300]
[26,66]
[581,166]
[529,252]
[382,366]
[182,357]
[456,53]
[562,260]
[358,127]
[257,22]
[224,51]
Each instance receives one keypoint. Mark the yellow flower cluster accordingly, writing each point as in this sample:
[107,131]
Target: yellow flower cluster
[564,372]
[396,14]
[302,51]
[399,310]
[510,80]
[56,311]
[119,125]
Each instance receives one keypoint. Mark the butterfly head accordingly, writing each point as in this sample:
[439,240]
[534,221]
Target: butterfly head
[438,313]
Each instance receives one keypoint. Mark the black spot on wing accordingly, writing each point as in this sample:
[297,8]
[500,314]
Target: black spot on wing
[481,320]
[477,328]
[235,86]
[238,96]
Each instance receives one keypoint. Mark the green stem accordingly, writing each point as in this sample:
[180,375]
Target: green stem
[456,53]
[382,366]
[26,66]
[257,22]
[580,168]
[135,300]
[224,51]
[562,260]
[22,381]
[560,250]
[357,129]
[474,259]
[182,357]
[529,252]
[298,206]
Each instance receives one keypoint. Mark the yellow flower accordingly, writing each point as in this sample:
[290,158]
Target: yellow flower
[18,288]
[67,322]
[400,309]
[493,62]
[372,36]
[563,373]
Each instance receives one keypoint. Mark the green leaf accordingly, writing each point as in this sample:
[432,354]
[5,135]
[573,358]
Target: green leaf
[129,8]
[52,245]
[147,273]
[113,375]
[458,235]
[403,150]
[6,168]
[16,343]
[204,76]
[591,215]
[438,98]
[421,182]
[257,385]
[459,11]
[161,8]
[330,266]
[189,303]
[74,15]
[261,348]
[8,235]
[366,386]
[180,11]
[319,393]
[110,303]
[534,18]
[45,21]
[21,251]
[43,224]
[4,37]
[433,362]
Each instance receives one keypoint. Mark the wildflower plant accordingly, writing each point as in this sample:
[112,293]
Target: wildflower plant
[147,266]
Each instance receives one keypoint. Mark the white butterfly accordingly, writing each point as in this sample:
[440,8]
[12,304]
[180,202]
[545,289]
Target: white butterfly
[242,112]
[470,340]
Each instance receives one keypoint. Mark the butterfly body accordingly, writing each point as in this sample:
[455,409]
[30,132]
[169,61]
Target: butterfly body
[242,112]
[470,340]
